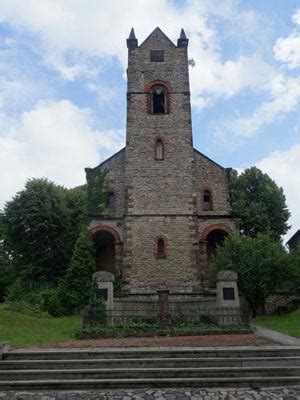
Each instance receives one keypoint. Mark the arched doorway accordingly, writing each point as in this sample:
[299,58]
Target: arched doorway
[211,237]
[214,238]
[105,240]
[105,255]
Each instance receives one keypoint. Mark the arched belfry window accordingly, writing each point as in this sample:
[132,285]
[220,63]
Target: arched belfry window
[207,200]
[158,100]
[159,150]
[161,248]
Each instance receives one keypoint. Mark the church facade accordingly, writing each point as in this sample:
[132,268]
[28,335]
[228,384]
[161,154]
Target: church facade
[168,204]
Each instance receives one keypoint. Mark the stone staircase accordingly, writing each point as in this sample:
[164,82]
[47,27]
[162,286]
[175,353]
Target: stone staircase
[152,367]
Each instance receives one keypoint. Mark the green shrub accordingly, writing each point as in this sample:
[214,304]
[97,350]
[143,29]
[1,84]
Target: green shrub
[205,317]
[26,308]
[98,314]
[35,298]
[16,291]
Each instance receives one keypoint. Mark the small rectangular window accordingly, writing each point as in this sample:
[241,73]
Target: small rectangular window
[157,56]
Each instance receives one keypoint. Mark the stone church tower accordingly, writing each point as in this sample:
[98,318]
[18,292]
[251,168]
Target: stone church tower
[168,204]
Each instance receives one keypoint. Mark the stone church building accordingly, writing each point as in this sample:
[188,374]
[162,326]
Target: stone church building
[168,204]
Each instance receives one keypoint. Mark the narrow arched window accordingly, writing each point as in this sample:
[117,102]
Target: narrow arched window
[207,200]
[158,100]
[110,201]
[161,251]
[159,150]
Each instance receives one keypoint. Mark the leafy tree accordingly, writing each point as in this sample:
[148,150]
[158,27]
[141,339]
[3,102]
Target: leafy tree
[6,266]
[261,264]
[259,202]
[75,287]
[41,228]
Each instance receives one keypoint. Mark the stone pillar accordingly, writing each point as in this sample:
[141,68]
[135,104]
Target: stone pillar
[163,306]
[104,289]
[228,302]
[227,291]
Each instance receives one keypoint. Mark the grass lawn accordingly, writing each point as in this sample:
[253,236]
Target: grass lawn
[288,323]
[25,330]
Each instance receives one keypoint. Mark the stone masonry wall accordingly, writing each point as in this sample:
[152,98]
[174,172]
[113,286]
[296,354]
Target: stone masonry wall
[178,270]
[115,167]
[210,175]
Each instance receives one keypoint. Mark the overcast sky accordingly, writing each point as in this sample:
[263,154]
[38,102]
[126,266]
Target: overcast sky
[63,84]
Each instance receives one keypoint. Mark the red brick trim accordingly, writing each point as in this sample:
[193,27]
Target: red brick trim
[92,232]
[166,245]
[150,85]
[214,227]
[111,190]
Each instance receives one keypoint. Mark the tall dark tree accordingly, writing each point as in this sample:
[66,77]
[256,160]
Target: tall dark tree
[259,202]
[40,226]
[75,287]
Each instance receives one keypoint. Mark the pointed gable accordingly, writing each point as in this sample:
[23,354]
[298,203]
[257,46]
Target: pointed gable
[157,37]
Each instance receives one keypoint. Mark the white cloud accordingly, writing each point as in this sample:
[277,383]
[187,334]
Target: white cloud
[100,29]
[285,94]
[229,78]
[288,49]
[283,90]
[284,168]
[56,140]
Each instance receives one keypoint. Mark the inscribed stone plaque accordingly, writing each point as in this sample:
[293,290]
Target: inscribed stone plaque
[228,293]
[102,294]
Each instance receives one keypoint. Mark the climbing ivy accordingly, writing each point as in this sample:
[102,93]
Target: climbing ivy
[96,190]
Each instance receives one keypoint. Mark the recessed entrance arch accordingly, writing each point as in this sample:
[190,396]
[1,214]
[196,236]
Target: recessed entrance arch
[214,239]
[214,235]
[105,240]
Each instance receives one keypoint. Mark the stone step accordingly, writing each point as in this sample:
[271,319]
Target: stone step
[149,363]
[84,384]
[148,373]
[241,352]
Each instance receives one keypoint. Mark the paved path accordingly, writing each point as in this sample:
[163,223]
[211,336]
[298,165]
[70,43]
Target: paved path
[277,336]
[165,394]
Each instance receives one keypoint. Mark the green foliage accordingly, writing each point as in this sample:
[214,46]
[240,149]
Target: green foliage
[34,297]
[288,324]
[21,329]
[26,308]
[206,318]
[41,224]
[7,272]
[147,329]
[96,190]
[117,285]
[261,263]
[16,291]
[259,202]
[75,287]
[98,312]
